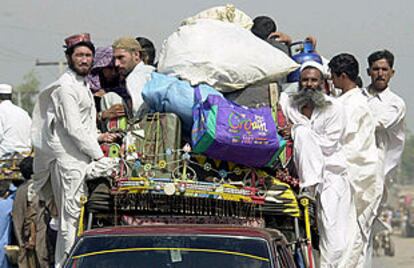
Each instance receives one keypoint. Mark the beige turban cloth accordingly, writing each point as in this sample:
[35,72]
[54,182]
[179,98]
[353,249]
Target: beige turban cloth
[127,43]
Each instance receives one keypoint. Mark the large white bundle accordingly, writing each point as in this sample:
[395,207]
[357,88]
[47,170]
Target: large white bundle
[223,55]
[228,13]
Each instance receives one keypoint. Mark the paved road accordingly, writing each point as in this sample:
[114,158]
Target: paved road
[404,255]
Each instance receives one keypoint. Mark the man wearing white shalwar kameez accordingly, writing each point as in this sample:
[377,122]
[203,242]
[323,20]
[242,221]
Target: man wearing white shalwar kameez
[65,139]
[389,113]
[129,65]
[317,131]
[361,155]
[14,125]
[128,62]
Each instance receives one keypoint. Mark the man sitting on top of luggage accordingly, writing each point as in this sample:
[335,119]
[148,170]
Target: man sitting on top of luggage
[318,128]
[130,66]
[265,28]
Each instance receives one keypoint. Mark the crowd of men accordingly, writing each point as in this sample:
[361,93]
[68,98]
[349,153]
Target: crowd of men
[347,145]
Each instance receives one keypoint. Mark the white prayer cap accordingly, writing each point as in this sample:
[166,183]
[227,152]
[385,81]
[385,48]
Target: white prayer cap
[312,64]
[5,89]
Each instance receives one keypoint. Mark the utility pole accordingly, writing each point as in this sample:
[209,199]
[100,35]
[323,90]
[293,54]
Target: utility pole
[61,64]
[19,98]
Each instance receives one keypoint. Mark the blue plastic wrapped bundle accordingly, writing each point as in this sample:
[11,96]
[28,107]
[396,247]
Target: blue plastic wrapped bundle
[168,94]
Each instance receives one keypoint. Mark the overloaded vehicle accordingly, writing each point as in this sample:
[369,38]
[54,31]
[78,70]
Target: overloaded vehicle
[171,206]
[205,179]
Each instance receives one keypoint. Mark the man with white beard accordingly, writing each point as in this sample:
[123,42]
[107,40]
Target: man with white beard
[317,130]
[361,155]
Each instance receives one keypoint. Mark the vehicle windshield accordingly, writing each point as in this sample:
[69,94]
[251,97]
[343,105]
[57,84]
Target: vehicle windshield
[171,251]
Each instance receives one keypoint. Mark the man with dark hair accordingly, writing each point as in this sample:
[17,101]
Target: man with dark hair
[14,125]
[318,128]
[65,138]
[265,28]
[388,110]
[345,64]
[389,113]
[379,55]
[361,155]
[29,222]
[148,50]
[127,54]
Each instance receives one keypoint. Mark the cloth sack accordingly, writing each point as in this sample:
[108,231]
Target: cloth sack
[222,55]
[227,131]
[227,13]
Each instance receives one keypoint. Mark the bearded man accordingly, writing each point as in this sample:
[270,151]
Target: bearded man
[65,140]
[128,62]
[318,128]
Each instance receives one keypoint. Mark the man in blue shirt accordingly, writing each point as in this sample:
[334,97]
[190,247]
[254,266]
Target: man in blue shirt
[7,193]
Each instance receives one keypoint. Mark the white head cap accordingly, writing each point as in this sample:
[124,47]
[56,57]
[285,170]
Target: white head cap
[5,89]
[312,64]
[316,65]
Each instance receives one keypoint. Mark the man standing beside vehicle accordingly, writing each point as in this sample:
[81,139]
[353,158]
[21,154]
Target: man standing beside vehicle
[389,113]
[318,127]
[65,138]
[14,125]
[361,155]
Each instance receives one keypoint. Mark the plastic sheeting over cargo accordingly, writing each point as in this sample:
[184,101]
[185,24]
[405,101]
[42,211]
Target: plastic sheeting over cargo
[222,55]
[170,95]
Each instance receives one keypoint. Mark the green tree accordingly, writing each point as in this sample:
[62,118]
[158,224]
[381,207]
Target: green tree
[25,93]
[407,162]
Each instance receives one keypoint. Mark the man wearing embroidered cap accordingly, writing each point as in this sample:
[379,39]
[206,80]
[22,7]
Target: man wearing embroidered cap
[318,128]
[129,64]
[66,140]
[14,125]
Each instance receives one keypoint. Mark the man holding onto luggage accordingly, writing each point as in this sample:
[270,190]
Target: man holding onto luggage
[318,129]
[130,66]
[65,138]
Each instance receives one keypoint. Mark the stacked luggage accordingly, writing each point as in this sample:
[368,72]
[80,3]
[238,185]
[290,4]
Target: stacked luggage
[210,150]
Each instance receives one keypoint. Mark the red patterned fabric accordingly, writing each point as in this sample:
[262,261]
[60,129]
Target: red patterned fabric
[76,39]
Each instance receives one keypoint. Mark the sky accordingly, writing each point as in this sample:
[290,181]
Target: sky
[33,30]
